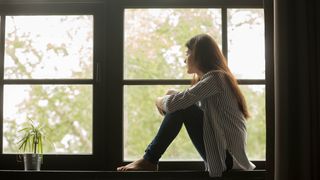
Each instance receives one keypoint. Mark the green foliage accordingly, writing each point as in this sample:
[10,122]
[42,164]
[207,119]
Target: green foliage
[256,125]
[153,49]
[164,39]
[32,139]
[142,122]
[149,55]
[66,109]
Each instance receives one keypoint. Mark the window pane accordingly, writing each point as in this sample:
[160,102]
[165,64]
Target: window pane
[256,125]
[142,121]
[49,47]
[66,110]
[154,46]
[246,43]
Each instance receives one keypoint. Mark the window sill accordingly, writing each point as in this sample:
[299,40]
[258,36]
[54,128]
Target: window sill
[88,175]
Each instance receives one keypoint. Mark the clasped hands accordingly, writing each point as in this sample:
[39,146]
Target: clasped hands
[159,100]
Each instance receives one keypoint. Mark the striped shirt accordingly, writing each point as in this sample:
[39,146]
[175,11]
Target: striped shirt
[224,126]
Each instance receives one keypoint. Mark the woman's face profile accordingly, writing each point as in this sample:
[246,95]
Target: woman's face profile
[189,61]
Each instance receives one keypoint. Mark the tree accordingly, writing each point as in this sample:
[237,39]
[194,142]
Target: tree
[154,46]
[33,54]
[154,49]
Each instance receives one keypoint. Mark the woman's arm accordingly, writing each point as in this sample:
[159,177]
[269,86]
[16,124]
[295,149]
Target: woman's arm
[159,100]
[206,87]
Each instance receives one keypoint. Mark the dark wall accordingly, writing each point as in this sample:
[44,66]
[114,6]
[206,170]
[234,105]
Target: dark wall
[297,89]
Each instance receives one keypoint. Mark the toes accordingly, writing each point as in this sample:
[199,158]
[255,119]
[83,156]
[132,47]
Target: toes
[123,168]
[120,168]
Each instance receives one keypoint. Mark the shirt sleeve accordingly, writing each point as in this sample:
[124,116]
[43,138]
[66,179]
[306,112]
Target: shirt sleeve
[206,87]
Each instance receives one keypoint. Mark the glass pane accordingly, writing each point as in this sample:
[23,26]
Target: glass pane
[65,110]
[49,47]
[142,121]
[256,125]
[246,43]
[154,44]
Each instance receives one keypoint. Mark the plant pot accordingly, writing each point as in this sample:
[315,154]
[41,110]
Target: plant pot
[32,162]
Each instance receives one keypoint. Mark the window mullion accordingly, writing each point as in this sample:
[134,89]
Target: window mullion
[224,20]
[157,82]
[251,81]
[48,81]
[182,81]
[2,38]
[2,34]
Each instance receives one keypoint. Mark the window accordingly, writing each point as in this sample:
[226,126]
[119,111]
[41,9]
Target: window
[60,49]
[163,32]
[91,70]
[246,59]
[49,63]
[153,62]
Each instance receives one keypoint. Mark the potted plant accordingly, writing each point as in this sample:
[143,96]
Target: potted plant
[31,144]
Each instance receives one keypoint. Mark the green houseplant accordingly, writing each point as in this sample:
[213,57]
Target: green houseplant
[31,143]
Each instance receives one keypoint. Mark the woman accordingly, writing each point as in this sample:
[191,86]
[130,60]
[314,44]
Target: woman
[213,111]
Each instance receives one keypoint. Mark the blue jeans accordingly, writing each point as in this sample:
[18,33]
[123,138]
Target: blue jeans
[192,118]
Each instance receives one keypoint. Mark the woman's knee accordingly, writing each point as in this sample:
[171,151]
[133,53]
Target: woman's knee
[186,113]
[174,115]
[193,112]
[181,112]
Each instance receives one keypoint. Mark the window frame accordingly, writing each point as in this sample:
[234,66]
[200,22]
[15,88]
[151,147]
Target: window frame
[224,6]
[52,161]
[108,70]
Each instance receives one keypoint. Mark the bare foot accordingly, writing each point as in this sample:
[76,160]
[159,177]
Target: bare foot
[139,165]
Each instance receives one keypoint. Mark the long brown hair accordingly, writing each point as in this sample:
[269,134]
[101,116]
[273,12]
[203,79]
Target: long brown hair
[207,56]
